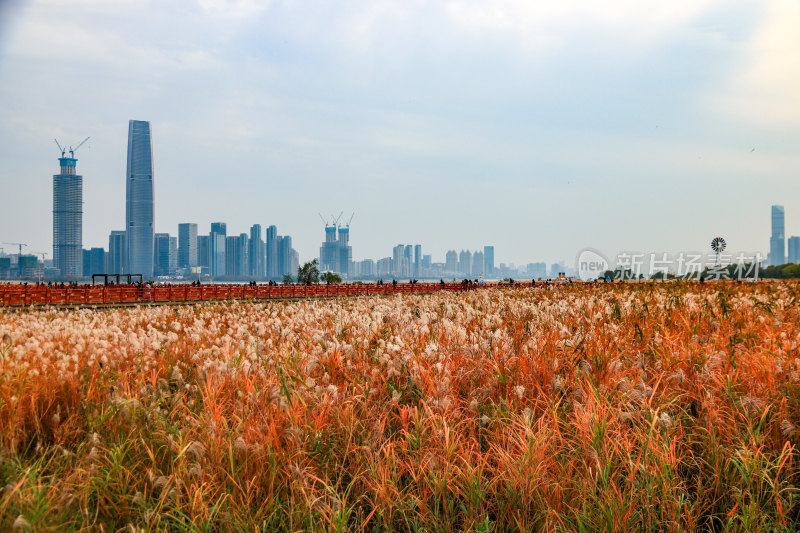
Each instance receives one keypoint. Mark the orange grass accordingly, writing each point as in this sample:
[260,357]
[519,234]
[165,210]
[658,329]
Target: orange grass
[612,407]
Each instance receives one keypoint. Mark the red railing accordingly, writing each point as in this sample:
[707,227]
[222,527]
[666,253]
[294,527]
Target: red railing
[18,295]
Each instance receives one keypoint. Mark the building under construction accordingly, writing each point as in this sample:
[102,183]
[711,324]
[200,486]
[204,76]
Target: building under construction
[336,254]
[68,216]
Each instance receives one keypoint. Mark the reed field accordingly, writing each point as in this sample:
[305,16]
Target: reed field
[574,407]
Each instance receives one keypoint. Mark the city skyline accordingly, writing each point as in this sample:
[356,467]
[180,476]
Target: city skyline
[540,129]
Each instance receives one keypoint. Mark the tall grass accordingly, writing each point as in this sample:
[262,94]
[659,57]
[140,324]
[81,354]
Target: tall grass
[615,407]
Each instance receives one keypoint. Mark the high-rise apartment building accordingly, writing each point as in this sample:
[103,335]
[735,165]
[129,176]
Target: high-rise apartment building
[488,261]
[284,255]
[465,263]
[777,242]
[68,219]
[398,260]
[204,251]
[345,251]
[329,251]
[116,259]
[217,241]
[256,257]
[408,260]
[451,262]
[794,249]
[231,256]
[366,268]
[537,270]
[187,245]
[94,262]
[271,252]
[139,204]
[165,254]
[294,262]
[417,260]
[243,255]
[384,267]
[477,264]
[335,253]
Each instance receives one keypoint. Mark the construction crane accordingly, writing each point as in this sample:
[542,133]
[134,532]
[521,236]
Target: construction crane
[351,219]
[73,150]
[60,147]
[20,244]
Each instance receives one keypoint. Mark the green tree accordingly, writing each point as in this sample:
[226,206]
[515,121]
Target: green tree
[308,273]
[288,279]
[330,277]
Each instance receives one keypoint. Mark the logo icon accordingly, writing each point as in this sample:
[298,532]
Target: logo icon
[591,264]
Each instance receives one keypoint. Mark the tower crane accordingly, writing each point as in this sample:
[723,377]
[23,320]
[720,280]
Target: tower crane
[351,219]
[73,150]
[60,147]
[20,244]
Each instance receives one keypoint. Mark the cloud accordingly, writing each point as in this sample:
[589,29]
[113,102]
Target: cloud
[506,113]
[766,90]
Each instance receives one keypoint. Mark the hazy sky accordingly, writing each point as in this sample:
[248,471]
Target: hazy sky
[538,127]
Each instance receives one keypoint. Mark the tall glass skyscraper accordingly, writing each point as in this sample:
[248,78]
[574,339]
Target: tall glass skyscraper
[68,219]
[256,253]
[217,244]
[139,206]
[187,245]
[271,246]
[777,243]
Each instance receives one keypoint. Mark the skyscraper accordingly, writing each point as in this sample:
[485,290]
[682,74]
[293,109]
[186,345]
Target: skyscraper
[398,260]
[465,262]
[165,260]
[777,243]
[794,249]
[231,255]
[271,252]
[94,262]
[217,244]
[488,261]
[116,259]
[256,253]
[477,264]
[139,208]
[187,245]
[68,219]
[451,261]
[284,245]
[204,252]
[329,251]
[417,259]
[243,255]
[345,251]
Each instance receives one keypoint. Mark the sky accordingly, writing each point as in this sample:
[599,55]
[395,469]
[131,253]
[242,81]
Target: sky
[538,127]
